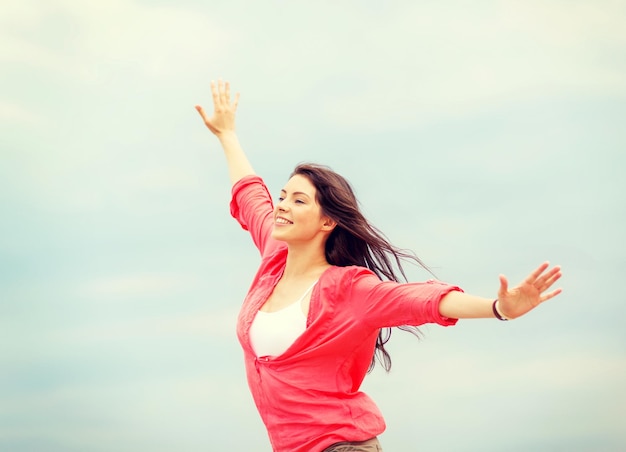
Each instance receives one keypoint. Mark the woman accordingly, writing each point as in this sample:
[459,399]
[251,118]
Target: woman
[325,293]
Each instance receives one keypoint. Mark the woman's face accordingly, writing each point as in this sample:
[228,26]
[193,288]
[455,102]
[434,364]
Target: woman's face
[297,215]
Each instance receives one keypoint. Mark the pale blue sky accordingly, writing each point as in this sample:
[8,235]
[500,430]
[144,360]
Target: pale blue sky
[486,136]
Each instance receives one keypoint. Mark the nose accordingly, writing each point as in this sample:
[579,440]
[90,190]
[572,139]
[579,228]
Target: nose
[280,205]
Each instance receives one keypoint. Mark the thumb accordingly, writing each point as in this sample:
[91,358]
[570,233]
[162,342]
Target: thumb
[504,286]
[200,110]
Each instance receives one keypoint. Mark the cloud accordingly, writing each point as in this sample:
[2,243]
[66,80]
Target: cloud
[84,41]
[15,113]
[124,273]
[433,61]
[215,323]
[88,416]
[137,285]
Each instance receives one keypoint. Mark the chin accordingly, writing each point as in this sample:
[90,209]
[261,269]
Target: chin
[277,236]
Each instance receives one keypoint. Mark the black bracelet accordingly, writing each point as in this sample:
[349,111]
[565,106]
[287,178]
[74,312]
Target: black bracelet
[496,313]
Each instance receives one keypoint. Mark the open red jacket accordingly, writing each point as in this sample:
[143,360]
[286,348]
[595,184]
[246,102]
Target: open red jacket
[309,396]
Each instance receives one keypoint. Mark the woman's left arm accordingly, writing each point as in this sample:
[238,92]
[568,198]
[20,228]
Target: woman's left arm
[511,302]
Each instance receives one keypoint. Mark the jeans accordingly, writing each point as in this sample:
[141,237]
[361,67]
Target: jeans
[371,445]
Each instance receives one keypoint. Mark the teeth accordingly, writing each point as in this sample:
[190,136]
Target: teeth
[282,221]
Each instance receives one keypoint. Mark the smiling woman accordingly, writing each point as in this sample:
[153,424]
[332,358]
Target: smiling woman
[298,215]
[327,291]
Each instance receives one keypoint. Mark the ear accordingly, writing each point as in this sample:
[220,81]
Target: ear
[328,224]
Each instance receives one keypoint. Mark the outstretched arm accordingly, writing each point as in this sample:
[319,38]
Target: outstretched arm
[511,303]
[222,124]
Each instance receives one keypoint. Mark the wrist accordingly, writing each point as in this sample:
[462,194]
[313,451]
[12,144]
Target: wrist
[227,135]
[497,312]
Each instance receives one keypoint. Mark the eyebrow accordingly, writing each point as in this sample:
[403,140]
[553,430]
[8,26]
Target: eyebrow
[295,193]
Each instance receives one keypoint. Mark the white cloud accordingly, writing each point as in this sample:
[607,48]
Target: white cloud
[119,175]
[14,113]
[138,285]
[214,324]
[84,40]
[150,189]
[89,416]
[436,60]
[165,178]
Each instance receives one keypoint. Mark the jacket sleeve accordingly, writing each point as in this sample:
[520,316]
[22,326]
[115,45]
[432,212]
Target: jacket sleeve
[251,205]
[382,304]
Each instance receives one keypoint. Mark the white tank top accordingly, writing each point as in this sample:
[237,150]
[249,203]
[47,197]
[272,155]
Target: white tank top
[272,333]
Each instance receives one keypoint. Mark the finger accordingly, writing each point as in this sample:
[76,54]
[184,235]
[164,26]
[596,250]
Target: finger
[227,93]
[214,93]
[550,281]
[221,91]
[543,279]
[552,294]
[532,278]
[236,102]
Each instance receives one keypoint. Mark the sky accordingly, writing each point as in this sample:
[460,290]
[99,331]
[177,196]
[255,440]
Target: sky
[486,136]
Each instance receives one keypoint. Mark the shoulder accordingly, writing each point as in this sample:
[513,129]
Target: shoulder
[348,279]
[251,185]
[347,273]
[247,181]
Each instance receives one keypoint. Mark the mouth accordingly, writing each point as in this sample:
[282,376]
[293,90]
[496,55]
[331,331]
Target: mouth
[281,221]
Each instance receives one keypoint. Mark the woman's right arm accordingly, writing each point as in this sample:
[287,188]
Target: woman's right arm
[222,124]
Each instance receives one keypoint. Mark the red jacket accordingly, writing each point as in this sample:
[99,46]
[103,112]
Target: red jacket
[309,396]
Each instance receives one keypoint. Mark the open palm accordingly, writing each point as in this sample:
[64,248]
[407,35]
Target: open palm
[223,118]
[519,300]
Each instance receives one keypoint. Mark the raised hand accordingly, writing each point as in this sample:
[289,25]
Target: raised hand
[519,300]
[223,119]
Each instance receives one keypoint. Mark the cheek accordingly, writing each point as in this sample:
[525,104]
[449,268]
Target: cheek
[313,217]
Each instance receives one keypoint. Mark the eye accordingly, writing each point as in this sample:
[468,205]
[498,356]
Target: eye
[281,199]
[299,201]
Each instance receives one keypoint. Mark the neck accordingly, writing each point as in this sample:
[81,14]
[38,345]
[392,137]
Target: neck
[305,261]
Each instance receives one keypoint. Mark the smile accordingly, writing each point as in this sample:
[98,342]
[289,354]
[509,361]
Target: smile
[280,220]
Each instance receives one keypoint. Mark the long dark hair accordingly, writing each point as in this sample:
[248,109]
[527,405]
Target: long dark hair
[354,241]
